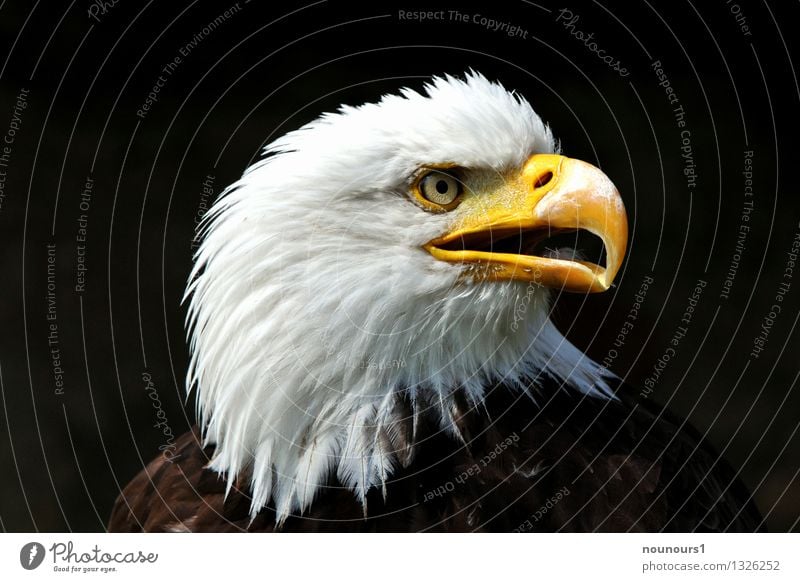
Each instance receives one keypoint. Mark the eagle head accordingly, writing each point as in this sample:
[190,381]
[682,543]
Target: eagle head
[386,251]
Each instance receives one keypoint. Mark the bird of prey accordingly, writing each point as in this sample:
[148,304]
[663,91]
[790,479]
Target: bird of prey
[371,348]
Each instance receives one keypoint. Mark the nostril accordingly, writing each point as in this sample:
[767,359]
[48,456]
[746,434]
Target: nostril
[543,180]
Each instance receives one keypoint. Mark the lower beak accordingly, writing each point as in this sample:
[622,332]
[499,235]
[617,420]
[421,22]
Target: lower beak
[552,194]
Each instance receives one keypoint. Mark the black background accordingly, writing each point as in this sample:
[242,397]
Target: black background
[268,69]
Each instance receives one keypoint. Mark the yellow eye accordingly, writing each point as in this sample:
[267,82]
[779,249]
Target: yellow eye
[440,189]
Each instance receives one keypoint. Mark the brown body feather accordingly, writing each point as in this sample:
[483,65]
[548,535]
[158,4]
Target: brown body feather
[565,464]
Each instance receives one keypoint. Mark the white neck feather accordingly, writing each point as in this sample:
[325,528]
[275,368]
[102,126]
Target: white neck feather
[312,304]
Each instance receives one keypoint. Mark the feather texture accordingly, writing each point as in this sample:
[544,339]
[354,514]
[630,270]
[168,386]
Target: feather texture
[568,464]
[314,310]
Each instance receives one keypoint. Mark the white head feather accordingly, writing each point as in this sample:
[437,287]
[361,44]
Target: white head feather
[313,303]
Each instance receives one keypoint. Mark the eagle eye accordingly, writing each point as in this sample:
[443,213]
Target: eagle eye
[439,190]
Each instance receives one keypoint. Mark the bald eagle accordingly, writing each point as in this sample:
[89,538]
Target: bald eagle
[371,348]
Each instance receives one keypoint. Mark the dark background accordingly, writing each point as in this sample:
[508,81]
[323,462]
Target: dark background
[266,70]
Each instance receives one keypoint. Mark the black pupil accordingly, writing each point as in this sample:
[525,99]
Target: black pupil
[442,187]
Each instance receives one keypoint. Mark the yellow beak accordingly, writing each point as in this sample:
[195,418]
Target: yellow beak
[551,194]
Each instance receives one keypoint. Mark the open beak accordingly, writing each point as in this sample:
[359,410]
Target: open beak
[495,228]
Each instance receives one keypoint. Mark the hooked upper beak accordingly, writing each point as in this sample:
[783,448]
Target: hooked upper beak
[552,194]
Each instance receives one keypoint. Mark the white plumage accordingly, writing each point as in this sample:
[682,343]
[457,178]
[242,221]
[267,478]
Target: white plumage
[313,303]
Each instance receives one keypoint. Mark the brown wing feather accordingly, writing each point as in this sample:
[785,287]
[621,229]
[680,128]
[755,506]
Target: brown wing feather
[568,464]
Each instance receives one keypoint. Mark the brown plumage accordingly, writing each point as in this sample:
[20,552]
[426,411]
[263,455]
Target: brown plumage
[566,463]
